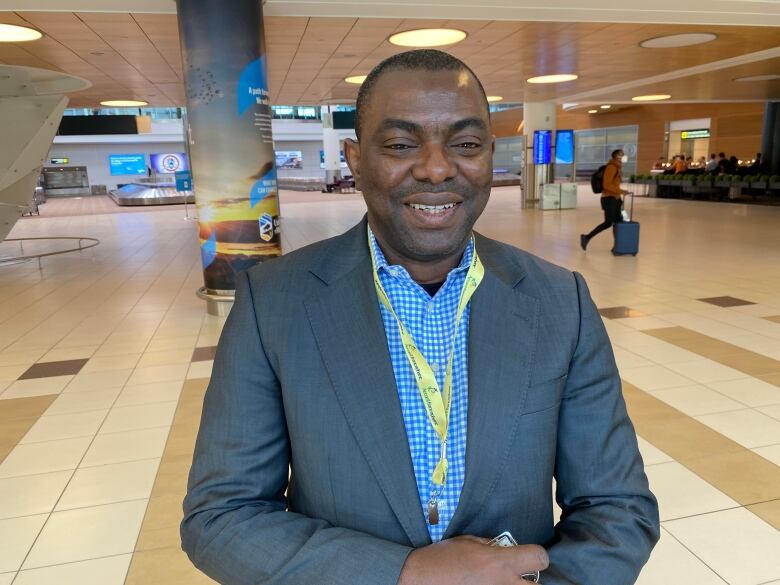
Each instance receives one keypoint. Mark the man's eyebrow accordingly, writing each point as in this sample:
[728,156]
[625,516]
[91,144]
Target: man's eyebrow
[479,123]
[398,124]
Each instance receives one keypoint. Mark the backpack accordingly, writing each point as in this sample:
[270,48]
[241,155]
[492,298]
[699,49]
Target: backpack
[597,180]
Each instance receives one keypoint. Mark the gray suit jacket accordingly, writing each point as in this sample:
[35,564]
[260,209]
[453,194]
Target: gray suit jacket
[303,378]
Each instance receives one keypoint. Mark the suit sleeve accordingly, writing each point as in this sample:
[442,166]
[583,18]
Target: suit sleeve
[236,526]
[610,520]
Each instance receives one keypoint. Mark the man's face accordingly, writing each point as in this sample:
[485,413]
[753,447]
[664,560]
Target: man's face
[424,161]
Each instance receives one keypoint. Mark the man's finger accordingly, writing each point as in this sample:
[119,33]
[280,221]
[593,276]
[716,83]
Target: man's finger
[528,558]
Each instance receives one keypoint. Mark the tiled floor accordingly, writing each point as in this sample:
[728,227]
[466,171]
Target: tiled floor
[105,355]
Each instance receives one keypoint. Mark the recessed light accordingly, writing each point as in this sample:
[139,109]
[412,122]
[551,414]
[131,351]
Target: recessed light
[494,98]
[557,78]
[593,111]
[770,77]
[605,107]
[356,79]
[681,40]
[428,37]
[12,33]
[124,103]
[651,98]
[97,53]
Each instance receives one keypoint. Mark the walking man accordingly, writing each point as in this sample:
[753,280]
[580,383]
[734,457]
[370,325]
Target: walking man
[611,197]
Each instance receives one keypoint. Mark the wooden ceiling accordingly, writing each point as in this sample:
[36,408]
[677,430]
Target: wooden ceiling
[137,56]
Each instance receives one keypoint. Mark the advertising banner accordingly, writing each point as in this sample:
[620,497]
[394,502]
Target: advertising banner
[289,159]
[230,142]
[169,162]
[127,164]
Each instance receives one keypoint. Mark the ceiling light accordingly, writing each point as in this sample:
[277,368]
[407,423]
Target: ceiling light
[11,33]
[593,111]
[651,98]
[770,77]
[681,40]
[606,107]
[494,98]
[557,78]
[428,37]
[356,79]
[124,103]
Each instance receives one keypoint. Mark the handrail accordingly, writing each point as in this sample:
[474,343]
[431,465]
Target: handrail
[23,258]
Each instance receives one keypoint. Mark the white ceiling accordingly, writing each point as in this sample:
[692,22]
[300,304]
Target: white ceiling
[725,12]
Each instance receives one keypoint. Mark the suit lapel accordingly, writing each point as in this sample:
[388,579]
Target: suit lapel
[350,334]
[502,340]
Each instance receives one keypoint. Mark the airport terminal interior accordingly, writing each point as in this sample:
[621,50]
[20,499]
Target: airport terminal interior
[110,262]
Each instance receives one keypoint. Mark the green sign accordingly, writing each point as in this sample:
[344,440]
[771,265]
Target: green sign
[692,134]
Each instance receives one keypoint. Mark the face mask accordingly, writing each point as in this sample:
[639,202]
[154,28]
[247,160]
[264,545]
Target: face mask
[624,159]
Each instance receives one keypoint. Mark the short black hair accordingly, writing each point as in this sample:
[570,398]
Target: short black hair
[418,59]
[614,152]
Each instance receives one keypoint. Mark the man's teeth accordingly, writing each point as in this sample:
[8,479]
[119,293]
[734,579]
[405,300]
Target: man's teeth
[432,208]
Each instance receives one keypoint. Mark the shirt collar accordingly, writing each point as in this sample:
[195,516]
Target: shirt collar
[382,264]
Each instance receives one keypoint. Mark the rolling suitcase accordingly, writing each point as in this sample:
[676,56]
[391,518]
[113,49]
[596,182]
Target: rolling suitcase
[626,235]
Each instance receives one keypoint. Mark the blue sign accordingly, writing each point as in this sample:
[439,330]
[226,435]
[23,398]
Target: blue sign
[564,147]
[183,181]
[127,164]
[542,147]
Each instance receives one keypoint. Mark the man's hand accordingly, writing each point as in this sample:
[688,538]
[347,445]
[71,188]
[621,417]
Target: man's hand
[466,560]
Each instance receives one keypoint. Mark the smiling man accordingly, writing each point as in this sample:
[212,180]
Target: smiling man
[384,402]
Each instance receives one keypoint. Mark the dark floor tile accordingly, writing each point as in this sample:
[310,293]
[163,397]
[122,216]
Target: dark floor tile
[727,302]
[773,318]
[202,354]
[50,369]
[619,313]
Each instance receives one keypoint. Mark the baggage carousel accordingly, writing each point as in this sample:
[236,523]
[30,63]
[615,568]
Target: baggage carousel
[149,194]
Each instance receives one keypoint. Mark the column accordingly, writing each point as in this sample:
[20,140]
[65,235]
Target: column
[331,146]
[230,141]
[770,141]
[536,116]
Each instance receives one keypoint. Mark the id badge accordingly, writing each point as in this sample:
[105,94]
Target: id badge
[504,540]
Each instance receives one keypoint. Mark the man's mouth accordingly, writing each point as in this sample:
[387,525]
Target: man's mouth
[433,209]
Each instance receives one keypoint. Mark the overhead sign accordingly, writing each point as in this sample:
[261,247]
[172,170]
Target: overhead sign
[692,134]
[542,147]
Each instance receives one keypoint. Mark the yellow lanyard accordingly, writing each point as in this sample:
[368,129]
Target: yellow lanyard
[437,403]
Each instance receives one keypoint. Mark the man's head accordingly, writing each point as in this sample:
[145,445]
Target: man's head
[722,154]
[423,159]
[617,155]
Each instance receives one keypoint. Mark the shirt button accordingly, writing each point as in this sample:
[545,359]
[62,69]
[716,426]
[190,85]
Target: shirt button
[429,307]
[435,368]
[393,272]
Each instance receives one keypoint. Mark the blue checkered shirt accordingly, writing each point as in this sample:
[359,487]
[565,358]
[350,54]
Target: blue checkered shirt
[431,323]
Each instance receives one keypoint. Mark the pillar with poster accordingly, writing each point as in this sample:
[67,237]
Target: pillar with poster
[230,141]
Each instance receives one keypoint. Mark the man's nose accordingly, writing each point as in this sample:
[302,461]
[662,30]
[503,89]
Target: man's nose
[434,165]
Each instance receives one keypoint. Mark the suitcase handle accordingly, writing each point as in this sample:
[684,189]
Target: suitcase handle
[631,213]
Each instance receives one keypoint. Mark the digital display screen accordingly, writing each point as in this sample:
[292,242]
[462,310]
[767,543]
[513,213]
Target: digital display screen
[289,159]
[342,160]
[564,147]
[127,164]
[542,147]
[60,161]
[169,162]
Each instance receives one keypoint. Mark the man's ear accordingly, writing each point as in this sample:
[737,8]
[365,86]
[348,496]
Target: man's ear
[352,154]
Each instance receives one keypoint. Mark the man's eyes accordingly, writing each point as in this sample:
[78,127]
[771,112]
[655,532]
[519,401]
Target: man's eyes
[465,145]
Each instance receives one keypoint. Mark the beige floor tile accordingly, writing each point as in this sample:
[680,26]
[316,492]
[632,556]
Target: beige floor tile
[7,578]
[124,447]
[36,387]
[769,512]
[651,455]
[19,358]
[200,369]
[749,559]
[120,348]
[111,363]
[74,402]
[65,426]
[772,453]
[168,565]
[165,343]
[91,381]
[106,571]
[655,377]
[31,494]
[105,484]
[670,558]
[44,457]
[87,533]
[773,411]
[627,359]
[682,493]
[149,393]
[161,524]
[642,323]
[747,427]
[696,400]
[749,391]
[704,371]
[161,358]
[142,416]
[69,353]
[12,372]
[3,385]
[16,537]
[166,373]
